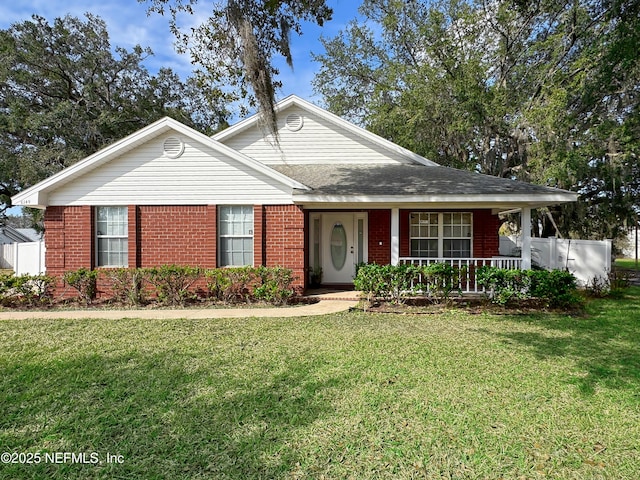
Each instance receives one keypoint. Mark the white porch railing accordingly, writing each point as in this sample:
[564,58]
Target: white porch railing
[467,268]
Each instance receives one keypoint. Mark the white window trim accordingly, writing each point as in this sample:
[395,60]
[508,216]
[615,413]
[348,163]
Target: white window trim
[98,236]
[220,236]
[441,237]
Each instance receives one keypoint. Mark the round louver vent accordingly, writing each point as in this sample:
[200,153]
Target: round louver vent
[294,122]
[173,147]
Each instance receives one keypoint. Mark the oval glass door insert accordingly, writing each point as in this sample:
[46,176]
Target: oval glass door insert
[338,246]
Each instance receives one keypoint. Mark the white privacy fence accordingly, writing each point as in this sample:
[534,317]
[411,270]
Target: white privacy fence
[586,259]
[23,258]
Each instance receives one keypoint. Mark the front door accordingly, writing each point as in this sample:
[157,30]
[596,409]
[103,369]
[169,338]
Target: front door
[342,245]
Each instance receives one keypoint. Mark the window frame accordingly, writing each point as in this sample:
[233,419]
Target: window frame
[251,235]
[98,236]
[441,238]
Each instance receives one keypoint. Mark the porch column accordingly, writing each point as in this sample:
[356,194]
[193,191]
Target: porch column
[395,236]
[525,219]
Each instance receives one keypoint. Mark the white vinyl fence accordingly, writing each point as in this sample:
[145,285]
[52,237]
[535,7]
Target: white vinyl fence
[586,259]
[23,258]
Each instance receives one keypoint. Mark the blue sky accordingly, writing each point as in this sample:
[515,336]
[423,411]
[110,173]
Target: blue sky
[128,25]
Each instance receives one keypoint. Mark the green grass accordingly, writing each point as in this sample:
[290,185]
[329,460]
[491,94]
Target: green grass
[354,395]
[626,263]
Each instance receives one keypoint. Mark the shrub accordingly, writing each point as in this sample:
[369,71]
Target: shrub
[127,285]
[503,285]
[31,290]
[374,280]
[556,288]
[239,285]
[217,283]
[7,286]
[394,282]
[35,290]
[275,285]
[172,283]
[440,280]
[247,284]
[619,280]
[84,281]
[598,287]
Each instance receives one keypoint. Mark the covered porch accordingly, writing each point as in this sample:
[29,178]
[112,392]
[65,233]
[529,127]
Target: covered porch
[409,213]
[466,267]
[464,238]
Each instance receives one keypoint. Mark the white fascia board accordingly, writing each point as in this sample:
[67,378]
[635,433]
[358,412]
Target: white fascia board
[331,118]
[36,195]
[34,199]
[435,201]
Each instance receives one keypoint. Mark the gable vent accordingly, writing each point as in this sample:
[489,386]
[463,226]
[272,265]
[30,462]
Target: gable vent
[294,122]
[173,147]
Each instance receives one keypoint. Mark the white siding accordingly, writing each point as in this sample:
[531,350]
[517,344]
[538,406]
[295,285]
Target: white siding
[144,176]
[317,142]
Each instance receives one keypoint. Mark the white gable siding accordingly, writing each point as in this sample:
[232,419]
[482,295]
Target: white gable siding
[144,176]
[317,142]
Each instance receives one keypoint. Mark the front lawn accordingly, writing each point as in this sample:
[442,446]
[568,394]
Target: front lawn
[355,395]
[628,263]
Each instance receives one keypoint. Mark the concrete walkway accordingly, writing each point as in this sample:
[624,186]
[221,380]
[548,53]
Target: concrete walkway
[327,303]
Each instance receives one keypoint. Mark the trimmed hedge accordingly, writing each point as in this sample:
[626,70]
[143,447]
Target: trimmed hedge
[395,282]
[556,288]
[438,281]
[176,284]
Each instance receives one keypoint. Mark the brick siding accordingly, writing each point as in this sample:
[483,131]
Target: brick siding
[181,235]
[284,240]
[380,236]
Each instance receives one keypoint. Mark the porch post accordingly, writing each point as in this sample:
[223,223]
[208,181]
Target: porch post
[525,220]
[395,236]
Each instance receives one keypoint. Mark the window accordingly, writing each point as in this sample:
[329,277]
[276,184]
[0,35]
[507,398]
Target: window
[456,235]
[112,236]
[424,234]
[440,235]
[235,227]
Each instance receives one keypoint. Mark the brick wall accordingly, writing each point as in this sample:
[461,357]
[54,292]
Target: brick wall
[284,239]
[180,235]
[380,236]
[486,241]
[68,240]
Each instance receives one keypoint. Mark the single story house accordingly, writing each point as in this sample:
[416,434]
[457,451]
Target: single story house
[328,195]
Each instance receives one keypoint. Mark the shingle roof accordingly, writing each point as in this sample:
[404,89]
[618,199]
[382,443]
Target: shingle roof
[392,179]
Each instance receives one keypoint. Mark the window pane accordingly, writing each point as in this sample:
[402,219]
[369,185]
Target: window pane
[112,252]
[360,240]
[424,248]
[457,248]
